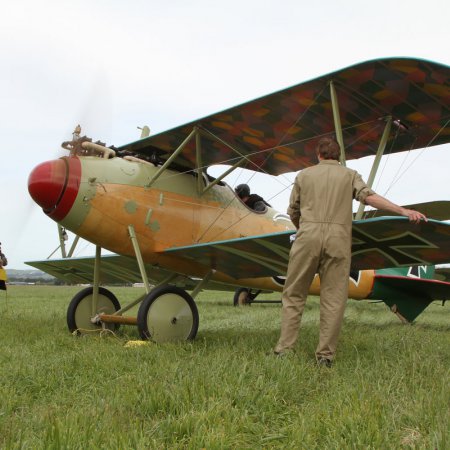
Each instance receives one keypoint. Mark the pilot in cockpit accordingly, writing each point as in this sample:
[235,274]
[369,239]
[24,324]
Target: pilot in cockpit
[253,201]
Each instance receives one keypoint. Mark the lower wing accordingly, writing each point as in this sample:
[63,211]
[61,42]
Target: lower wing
[115,269]
[377,243]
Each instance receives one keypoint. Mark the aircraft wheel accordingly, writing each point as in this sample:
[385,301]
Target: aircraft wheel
[79,312]
[168,314]
[244,297]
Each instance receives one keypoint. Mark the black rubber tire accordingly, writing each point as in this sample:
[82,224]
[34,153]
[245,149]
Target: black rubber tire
[238,297]
[111,305]
[172,293]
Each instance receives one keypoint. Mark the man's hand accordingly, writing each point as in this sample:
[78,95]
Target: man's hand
[377,201]
[413,216]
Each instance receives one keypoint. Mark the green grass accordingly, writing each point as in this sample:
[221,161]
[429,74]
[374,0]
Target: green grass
[389,387]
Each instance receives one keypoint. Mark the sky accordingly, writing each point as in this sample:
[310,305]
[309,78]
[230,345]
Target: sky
[113,66]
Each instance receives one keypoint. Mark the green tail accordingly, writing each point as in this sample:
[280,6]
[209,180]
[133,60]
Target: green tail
[408,291]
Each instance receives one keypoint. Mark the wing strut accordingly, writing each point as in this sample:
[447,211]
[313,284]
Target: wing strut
[198,151]
[221,177]
[172,157]
[62,235]
[139,259]
[337,121]
[197,133]
[72,248]
[211,135]
[200,285]
[96,283]
[376,162]
[340,139]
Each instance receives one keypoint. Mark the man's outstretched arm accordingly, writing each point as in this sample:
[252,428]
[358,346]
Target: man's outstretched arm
[379,202]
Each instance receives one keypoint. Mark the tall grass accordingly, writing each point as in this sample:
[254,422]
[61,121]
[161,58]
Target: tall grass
[388,389]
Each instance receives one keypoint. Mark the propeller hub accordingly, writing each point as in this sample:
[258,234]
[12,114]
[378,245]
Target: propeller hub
[53,185]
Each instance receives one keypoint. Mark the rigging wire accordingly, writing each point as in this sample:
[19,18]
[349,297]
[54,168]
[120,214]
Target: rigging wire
[371,213]
[299,118]
[398,176]
[271,150]
[260,167]
[420,153]
[78,253]
[400,167]
[287,187]
[222,210]
[248,156]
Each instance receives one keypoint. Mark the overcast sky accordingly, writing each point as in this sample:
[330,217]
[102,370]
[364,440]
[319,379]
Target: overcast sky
[115,65]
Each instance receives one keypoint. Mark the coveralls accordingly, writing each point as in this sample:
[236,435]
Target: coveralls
[320,207]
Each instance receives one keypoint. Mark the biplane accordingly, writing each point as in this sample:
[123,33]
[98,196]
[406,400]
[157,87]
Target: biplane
[172,226]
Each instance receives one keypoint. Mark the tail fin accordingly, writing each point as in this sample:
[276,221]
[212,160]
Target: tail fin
[408,296]
[423,272]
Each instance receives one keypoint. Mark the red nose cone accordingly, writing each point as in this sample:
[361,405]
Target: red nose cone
[46,183]
[54,186]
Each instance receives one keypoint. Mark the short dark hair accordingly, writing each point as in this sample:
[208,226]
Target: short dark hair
[328,148]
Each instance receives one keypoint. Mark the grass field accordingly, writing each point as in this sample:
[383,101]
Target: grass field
[389,388]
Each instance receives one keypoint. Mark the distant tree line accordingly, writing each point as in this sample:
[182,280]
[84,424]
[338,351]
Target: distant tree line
[51,281]
[34,280]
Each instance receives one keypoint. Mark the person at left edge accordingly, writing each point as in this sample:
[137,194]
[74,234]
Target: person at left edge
[3,263]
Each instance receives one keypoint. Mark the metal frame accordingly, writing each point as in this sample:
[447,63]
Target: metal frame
[74,244]
[172,157]
[96,283]
[337,122]
[198,156]
[239,163]
[197,133]
[376,162]
[139,259]
[202,282]
[140,298]
[221,177]
[62,244]
[117,317]
[340,139]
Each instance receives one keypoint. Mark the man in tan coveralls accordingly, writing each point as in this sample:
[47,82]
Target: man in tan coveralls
[321,201]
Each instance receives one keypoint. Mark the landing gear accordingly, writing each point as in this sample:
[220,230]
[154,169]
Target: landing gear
[244,296]
[79,312]
[168,314]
